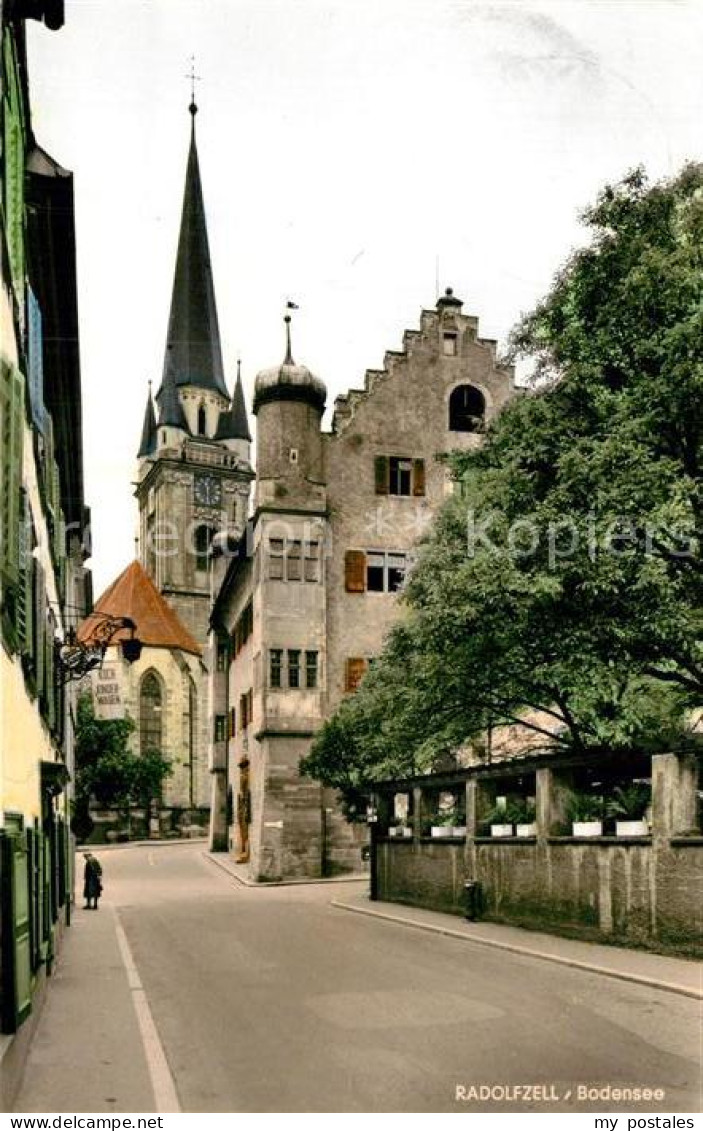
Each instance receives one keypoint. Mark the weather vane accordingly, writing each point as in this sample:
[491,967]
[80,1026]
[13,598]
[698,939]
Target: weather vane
[193,78]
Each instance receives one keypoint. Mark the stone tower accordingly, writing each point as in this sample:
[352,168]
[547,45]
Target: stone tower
[278,670]
[194,471]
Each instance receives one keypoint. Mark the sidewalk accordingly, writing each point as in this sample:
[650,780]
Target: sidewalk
[240,873]
[677,975]
[88,1040]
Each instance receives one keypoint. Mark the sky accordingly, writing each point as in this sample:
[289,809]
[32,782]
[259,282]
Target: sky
[355,156]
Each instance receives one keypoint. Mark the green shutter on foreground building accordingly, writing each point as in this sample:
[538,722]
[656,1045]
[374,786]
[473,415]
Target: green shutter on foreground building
[14,151]
[16,941]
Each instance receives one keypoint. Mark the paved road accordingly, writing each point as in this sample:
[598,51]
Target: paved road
[272,1001]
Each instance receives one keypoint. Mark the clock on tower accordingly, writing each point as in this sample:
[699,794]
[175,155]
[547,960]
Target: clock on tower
[207,491]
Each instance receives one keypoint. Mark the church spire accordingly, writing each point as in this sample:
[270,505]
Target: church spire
[147,445]
[233,424]
[193,351]
[170,408]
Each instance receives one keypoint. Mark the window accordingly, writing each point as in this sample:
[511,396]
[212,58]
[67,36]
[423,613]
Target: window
[202,421]
[275,667]
[376,573]
[220,732]
[232,722]
[221,655]
[243,628]
[354,670]
[203,538]
[276,548]
[246,709]
[467,409]
[449,344]
[311,669]
[150,714]
[293,667]
[293,560]
[385,572]
[312,561]
[399,475]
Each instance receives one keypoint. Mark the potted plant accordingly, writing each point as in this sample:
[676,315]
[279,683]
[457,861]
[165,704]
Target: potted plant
[630,803]
[586,814]
[402,828]
[443,823]
[498,819]
[522,813]
[459,830]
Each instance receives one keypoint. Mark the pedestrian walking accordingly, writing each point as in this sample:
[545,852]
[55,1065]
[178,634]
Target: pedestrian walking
[92,881]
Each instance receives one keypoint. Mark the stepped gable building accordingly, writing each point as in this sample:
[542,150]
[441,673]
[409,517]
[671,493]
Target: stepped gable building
[163,691]
[193,463]
[304,604]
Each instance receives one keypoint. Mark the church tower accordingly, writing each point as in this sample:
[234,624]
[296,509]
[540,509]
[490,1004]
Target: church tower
[194,471]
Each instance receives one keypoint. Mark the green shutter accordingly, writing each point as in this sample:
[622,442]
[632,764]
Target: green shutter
[14,153]
[40,635]
[35,849]
[16,953]
[11,438]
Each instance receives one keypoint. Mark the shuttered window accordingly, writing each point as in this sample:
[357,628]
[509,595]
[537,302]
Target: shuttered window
[14,162]
[399,475]
[355,571]
[11,438]
[355,668]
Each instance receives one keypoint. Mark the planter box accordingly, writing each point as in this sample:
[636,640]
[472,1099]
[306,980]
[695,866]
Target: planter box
[631,828]
[400,832]
[441,831]
[459,830]
[587,828]
[526,830]
[501,830]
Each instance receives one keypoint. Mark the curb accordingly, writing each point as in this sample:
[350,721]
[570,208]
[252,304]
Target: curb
[263,885]
[178,841]
[575,963]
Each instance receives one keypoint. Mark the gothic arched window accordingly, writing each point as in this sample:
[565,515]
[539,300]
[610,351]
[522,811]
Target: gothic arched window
[467,409]
[150,714]
[202,421]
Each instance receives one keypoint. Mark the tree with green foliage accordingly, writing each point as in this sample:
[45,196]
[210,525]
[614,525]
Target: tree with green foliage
[107,770]
[567,576]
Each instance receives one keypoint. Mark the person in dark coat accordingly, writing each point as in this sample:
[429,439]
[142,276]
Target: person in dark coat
[92,881]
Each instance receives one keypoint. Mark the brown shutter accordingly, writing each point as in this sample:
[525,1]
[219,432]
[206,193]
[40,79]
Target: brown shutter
[418,477]
[355,571]
[354,672]
[381,474]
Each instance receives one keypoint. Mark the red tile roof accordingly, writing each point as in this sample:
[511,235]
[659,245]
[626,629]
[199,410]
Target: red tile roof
[134,595]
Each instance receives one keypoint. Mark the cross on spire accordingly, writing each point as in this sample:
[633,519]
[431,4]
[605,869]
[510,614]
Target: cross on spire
[193,78]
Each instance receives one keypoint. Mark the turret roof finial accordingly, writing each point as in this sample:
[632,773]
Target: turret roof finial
[287,319]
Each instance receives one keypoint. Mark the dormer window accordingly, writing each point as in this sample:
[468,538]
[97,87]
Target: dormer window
[202,421]
[449,344]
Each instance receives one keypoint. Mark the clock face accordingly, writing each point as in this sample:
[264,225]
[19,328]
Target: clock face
[207,491]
